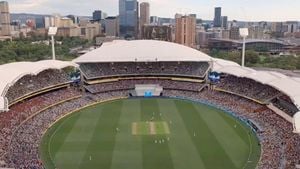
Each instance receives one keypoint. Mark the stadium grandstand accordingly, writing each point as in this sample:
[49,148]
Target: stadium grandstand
[34,95]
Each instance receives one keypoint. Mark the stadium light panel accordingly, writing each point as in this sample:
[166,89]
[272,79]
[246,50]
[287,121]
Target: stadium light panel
[52,31]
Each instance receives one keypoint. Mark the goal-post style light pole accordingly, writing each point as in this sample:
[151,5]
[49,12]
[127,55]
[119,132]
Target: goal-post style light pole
[244,33]
[52,32]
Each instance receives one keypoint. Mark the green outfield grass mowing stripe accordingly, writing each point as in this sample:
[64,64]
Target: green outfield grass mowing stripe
[127,152]
[235,147]
[161,128]
[80,134]
[67,125]
[155,155]
[100,148]
[248,136]
[211,151]
[50,149]
[183,151]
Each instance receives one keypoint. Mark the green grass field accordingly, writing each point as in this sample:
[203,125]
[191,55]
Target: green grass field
[149,134]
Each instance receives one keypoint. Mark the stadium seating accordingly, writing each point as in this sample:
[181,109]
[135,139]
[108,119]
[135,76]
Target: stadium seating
[130,85]
[248,87]
[30,84]
[100,70]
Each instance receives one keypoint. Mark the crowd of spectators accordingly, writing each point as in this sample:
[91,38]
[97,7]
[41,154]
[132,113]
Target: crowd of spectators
[34,83]
[98,70]
[21,128]
[247,87]
[11,120]
[23,151]
[280,146]
[130,84]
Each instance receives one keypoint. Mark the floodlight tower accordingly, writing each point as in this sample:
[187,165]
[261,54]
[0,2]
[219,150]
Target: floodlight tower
[244,33]
[52,32]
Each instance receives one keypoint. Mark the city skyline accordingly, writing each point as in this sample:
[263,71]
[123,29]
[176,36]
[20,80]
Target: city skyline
[244,10]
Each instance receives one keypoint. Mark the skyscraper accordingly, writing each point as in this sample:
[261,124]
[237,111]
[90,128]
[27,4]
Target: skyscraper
[129,14]
[144,14]
[97,15]
[224,22]
[185,31]
[4,19]
[217,19]
[112,26]
[234,33]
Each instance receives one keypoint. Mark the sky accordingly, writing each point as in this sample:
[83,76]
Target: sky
[242,10]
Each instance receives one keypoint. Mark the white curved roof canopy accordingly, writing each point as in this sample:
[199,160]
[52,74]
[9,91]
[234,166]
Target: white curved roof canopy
[287,85]
[142,51]
[2,104]
[297,122]
[10,73]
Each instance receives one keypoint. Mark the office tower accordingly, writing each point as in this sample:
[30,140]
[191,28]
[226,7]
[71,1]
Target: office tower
[49,21]
[66,22]
[157,32]
[234,33]
[90,30]
[256,32]
[4,19]
[154,20]
[97,15]
[217,19]
[144,14]
[185,31]
[39,21]
[128,15]
[112,26]
[224,24]
[292,26]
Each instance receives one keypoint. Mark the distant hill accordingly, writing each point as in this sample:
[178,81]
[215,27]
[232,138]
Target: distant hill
[24,16]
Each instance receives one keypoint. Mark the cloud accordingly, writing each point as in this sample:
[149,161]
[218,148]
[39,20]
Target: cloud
[26,5]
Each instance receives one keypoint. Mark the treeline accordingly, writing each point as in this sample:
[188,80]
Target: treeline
[254,59]
[25,50]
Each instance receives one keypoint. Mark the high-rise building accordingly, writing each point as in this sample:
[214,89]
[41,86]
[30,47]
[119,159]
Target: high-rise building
[128,15]
[256,32]
[49,21]
[90,30]
[39,22]
[224,24]
[234,33]
[154,20]
[278,29]
[112,26]
[4,19]
[157,32]
[144,14]
[66,22]
[217,19]
[97,15]
[185,31]
[292,26]
[56,19]
[203,37]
